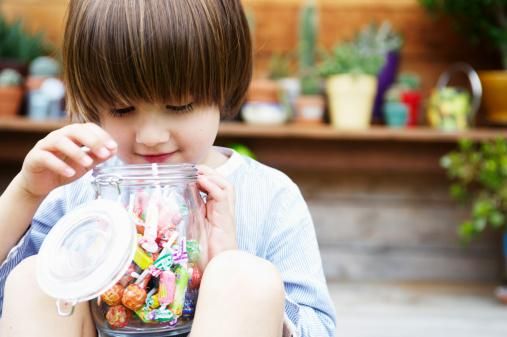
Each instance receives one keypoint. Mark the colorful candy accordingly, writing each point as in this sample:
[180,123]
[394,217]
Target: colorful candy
[133,297]
[118,316]
[166,288]
[181,289]
[113,296]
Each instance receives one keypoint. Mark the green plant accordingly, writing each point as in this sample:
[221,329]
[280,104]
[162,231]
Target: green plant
[10,77]
[476,19]
[479,175]
[349,58]
[279,66]
[17,44]
[307,49]
[379,39]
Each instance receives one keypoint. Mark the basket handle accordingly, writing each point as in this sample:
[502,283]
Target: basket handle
[473,78]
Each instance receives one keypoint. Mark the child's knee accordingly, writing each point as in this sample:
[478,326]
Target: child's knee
[22,278]
[245,273]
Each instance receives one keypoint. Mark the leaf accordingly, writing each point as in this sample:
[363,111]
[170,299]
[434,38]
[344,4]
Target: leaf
[496,219]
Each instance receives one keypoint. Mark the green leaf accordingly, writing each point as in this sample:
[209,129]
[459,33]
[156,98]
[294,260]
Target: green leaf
[496,219]
[466,231]
[480,224]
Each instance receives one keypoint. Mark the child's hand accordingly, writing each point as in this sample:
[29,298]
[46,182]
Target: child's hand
[219,210]
[63,156]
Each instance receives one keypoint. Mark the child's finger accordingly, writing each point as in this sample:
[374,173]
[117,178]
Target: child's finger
[50,161]
[72,151]
[214,191]
[85,135]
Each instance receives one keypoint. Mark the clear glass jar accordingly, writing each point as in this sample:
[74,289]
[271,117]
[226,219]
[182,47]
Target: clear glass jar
[139,250]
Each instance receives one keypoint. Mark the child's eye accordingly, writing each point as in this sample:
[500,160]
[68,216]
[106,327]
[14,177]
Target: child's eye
[120,112]
[180,108]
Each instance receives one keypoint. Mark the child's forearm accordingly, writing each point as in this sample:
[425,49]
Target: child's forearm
[17,208]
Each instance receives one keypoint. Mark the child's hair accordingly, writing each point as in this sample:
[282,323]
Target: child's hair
[117,52]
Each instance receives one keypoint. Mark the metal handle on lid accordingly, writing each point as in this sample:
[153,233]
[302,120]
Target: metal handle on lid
[65,308]
[473,78]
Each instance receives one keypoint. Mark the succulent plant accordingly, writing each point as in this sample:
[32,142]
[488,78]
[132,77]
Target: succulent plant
[44,66]
[10,77]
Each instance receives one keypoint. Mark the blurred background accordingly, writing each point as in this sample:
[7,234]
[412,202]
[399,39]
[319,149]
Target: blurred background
[391,116]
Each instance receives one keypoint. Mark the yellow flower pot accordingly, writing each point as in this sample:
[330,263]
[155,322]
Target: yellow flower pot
[494,85]
[351,100]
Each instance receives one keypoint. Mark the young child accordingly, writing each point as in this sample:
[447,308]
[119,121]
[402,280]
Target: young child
[149,80]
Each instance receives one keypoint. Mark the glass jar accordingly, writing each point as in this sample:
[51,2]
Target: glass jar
[138,251]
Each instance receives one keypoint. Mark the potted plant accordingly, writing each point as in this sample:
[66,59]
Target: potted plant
[11,92]
[309,106]
[351,84]
[482,19]
[479,175]
[17,47]
[385,42]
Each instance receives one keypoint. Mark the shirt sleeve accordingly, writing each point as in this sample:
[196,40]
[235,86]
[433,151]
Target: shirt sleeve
[51,209]
[294,250]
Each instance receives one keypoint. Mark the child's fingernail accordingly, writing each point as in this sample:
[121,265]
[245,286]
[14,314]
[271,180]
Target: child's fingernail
[111,144]
[69,172]
[86,161]
[103,152]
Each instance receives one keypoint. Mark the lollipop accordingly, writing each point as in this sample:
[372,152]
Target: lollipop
[113,296]
[133,297]
[118,316]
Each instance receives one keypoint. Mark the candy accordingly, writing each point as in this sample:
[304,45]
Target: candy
[151,226]
[181,288]
[142,259]
[161,315]
[193,251]
[195,279]
[164,262]
[166,287]
[133,297]
[190,303]
[118,316]
[113,296]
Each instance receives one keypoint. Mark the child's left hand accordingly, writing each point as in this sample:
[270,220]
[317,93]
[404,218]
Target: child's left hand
[219,210]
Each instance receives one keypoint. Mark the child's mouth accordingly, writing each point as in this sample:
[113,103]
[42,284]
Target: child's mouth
[157,158]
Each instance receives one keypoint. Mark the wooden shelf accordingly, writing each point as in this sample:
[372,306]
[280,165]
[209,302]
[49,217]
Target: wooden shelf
[294,146]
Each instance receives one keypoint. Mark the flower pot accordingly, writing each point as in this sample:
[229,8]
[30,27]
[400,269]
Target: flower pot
[396,114]
[494,84]
[10,100]
[309,109]
[351,100]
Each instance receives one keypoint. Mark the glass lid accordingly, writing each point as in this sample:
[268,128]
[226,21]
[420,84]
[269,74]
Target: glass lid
[86,252]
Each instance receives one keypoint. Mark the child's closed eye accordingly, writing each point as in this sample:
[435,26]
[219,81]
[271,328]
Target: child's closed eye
[180,108]
[120,112]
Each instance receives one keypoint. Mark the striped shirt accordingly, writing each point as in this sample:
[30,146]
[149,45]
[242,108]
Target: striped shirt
[273,222]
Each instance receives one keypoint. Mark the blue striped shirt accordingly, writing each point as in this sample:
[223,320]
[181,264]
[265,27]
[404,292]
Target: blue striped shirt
[273,222]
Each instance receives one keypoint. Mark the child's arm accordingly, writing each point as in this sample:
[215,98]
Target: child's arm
[61,157]
[219,211]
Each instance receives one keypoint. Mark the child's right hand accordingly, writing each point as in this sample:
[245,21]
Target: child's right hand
[63,156]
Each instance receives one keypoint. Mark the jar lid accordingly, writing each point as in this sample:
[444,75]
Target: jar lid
[86,252]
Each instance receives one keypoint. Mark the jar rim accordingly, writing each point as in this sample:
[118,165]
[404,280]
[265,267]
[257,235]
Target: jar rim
[130,174]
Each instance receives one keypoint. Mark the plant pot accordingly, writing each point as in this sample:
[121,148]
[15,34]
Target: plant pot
[396,114]
[386,78]
[351,100]
[309,109]
[412,99]
[10,101]
[494,85]
[263,90]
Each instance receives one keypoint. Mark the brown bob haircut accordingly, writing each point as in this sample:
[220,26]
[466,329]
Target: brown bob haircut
[117,52]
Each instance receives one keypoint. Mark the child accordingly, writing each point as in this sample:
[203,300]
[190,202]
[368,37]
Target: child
[151,79]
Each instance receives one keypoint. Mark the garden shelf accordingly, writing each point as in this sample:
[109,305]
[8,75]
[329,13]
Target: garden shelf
[300,147]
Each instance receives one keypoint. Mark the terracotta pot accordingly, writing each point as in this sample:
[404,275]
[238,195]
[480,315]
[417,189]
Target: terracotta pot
[310,109]
[494,84]
[263,90]
[10,100]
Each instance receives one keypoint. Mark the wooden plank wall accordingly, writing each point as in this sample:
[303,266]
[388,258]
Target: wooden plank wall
[430,46]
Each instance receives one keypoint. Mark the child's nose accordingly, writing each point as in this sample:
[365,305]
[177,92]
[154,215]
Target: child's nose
[151,134]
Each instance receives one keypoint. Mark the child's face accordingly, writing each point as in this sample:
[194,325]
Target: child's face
[162,133]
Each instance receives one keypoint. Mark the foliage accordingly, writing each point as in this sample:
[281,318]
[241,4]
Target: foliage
[19,45]
[349,58]
[479,175]
[279,66]
[476,19]
[10,77]
[365,54]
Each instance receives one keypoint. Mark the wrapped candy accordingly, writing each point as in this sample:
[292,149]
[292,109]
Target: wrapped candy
[133,297]
[118,316]
[195,278]
[114,295]
[166,287]
[181,288]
